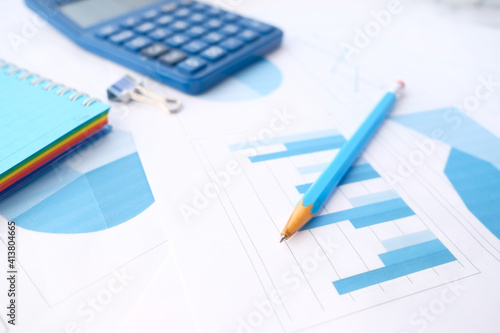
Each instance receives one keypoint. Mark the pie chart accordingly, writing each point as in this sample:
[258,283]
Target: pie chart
[97,188]
[255,81]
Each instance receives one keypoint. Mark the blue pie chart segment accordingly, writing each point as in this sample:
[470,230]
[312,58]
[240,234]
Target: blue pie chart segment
[258,80]
[98,200]
[108,188]
[473,165]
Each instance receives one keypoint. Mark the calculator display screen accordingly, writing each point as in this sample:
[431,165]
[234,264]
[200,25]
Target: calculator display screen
[86,13]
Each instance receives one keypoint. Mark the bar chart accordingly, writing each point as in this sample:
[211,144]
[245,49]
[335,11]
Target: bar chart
[399,262]
[401,255]
[367,245]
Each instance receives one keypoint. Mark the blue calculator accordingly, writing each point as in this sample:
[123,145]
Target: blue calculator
[188,45]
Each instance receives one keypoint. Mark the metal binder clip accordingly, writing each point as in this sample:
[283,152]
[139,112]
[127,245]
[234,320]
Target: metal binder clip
[127,88]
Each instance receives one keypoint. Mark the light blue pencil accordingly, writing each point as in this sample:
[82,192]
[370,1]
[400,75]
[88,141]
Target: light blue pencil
[317,194]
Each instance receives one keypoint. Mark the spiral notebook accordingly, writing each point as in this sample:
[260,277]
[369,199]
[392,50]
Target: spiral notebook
[39,121]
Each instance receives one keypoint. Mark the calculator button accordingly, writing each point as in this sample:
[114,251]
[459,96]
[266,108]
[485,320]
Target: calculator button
[145,28]
[215,12]
[164,20]
[194,47]
[160,34]
[173,57]
[182,13]
[155,50]
[179,26]
[137,43]
[213,38]
[256,25]
[195,32]
[199,7]
[229,30]
[106,31]
[121,37]
[230,17]
[197,18]
[177,40]
[191,65]
[213,53]
[169,7]
[248,36]
[231,44]
[130,22]
[150,14]
[213,24]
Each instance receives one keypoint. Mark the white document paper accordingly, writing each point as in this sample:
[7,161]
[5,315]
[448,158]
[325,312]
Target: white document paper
[223,208]
[83,270]
[232,172]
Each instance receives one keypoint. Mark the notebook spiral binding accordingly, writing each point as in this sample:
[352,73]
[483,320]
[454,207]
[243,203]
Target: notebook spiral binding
[51,85]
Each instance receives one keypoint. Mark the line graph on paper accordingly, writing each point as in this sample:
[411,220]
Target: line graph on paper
[383,249]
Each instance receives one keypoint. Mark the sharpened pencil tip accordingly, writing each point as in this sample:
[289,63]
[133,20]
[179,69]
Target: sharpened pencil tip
[283,237]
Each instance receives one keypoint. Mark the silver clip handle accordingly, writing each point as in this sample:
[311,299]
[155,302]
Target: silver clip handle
[168,104]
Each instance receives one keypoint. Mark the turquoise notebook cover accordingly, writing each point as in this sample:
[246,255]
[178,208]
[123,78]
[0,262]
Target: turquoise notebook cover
[33,118]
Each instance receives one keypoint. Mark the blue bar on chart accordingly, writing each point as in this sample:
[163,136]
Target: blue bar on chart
[355,173]
[317,168]
[408,240]
[364,216]
[398,263]
[411,252]
[283,139]
[373,198]
[302,147]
